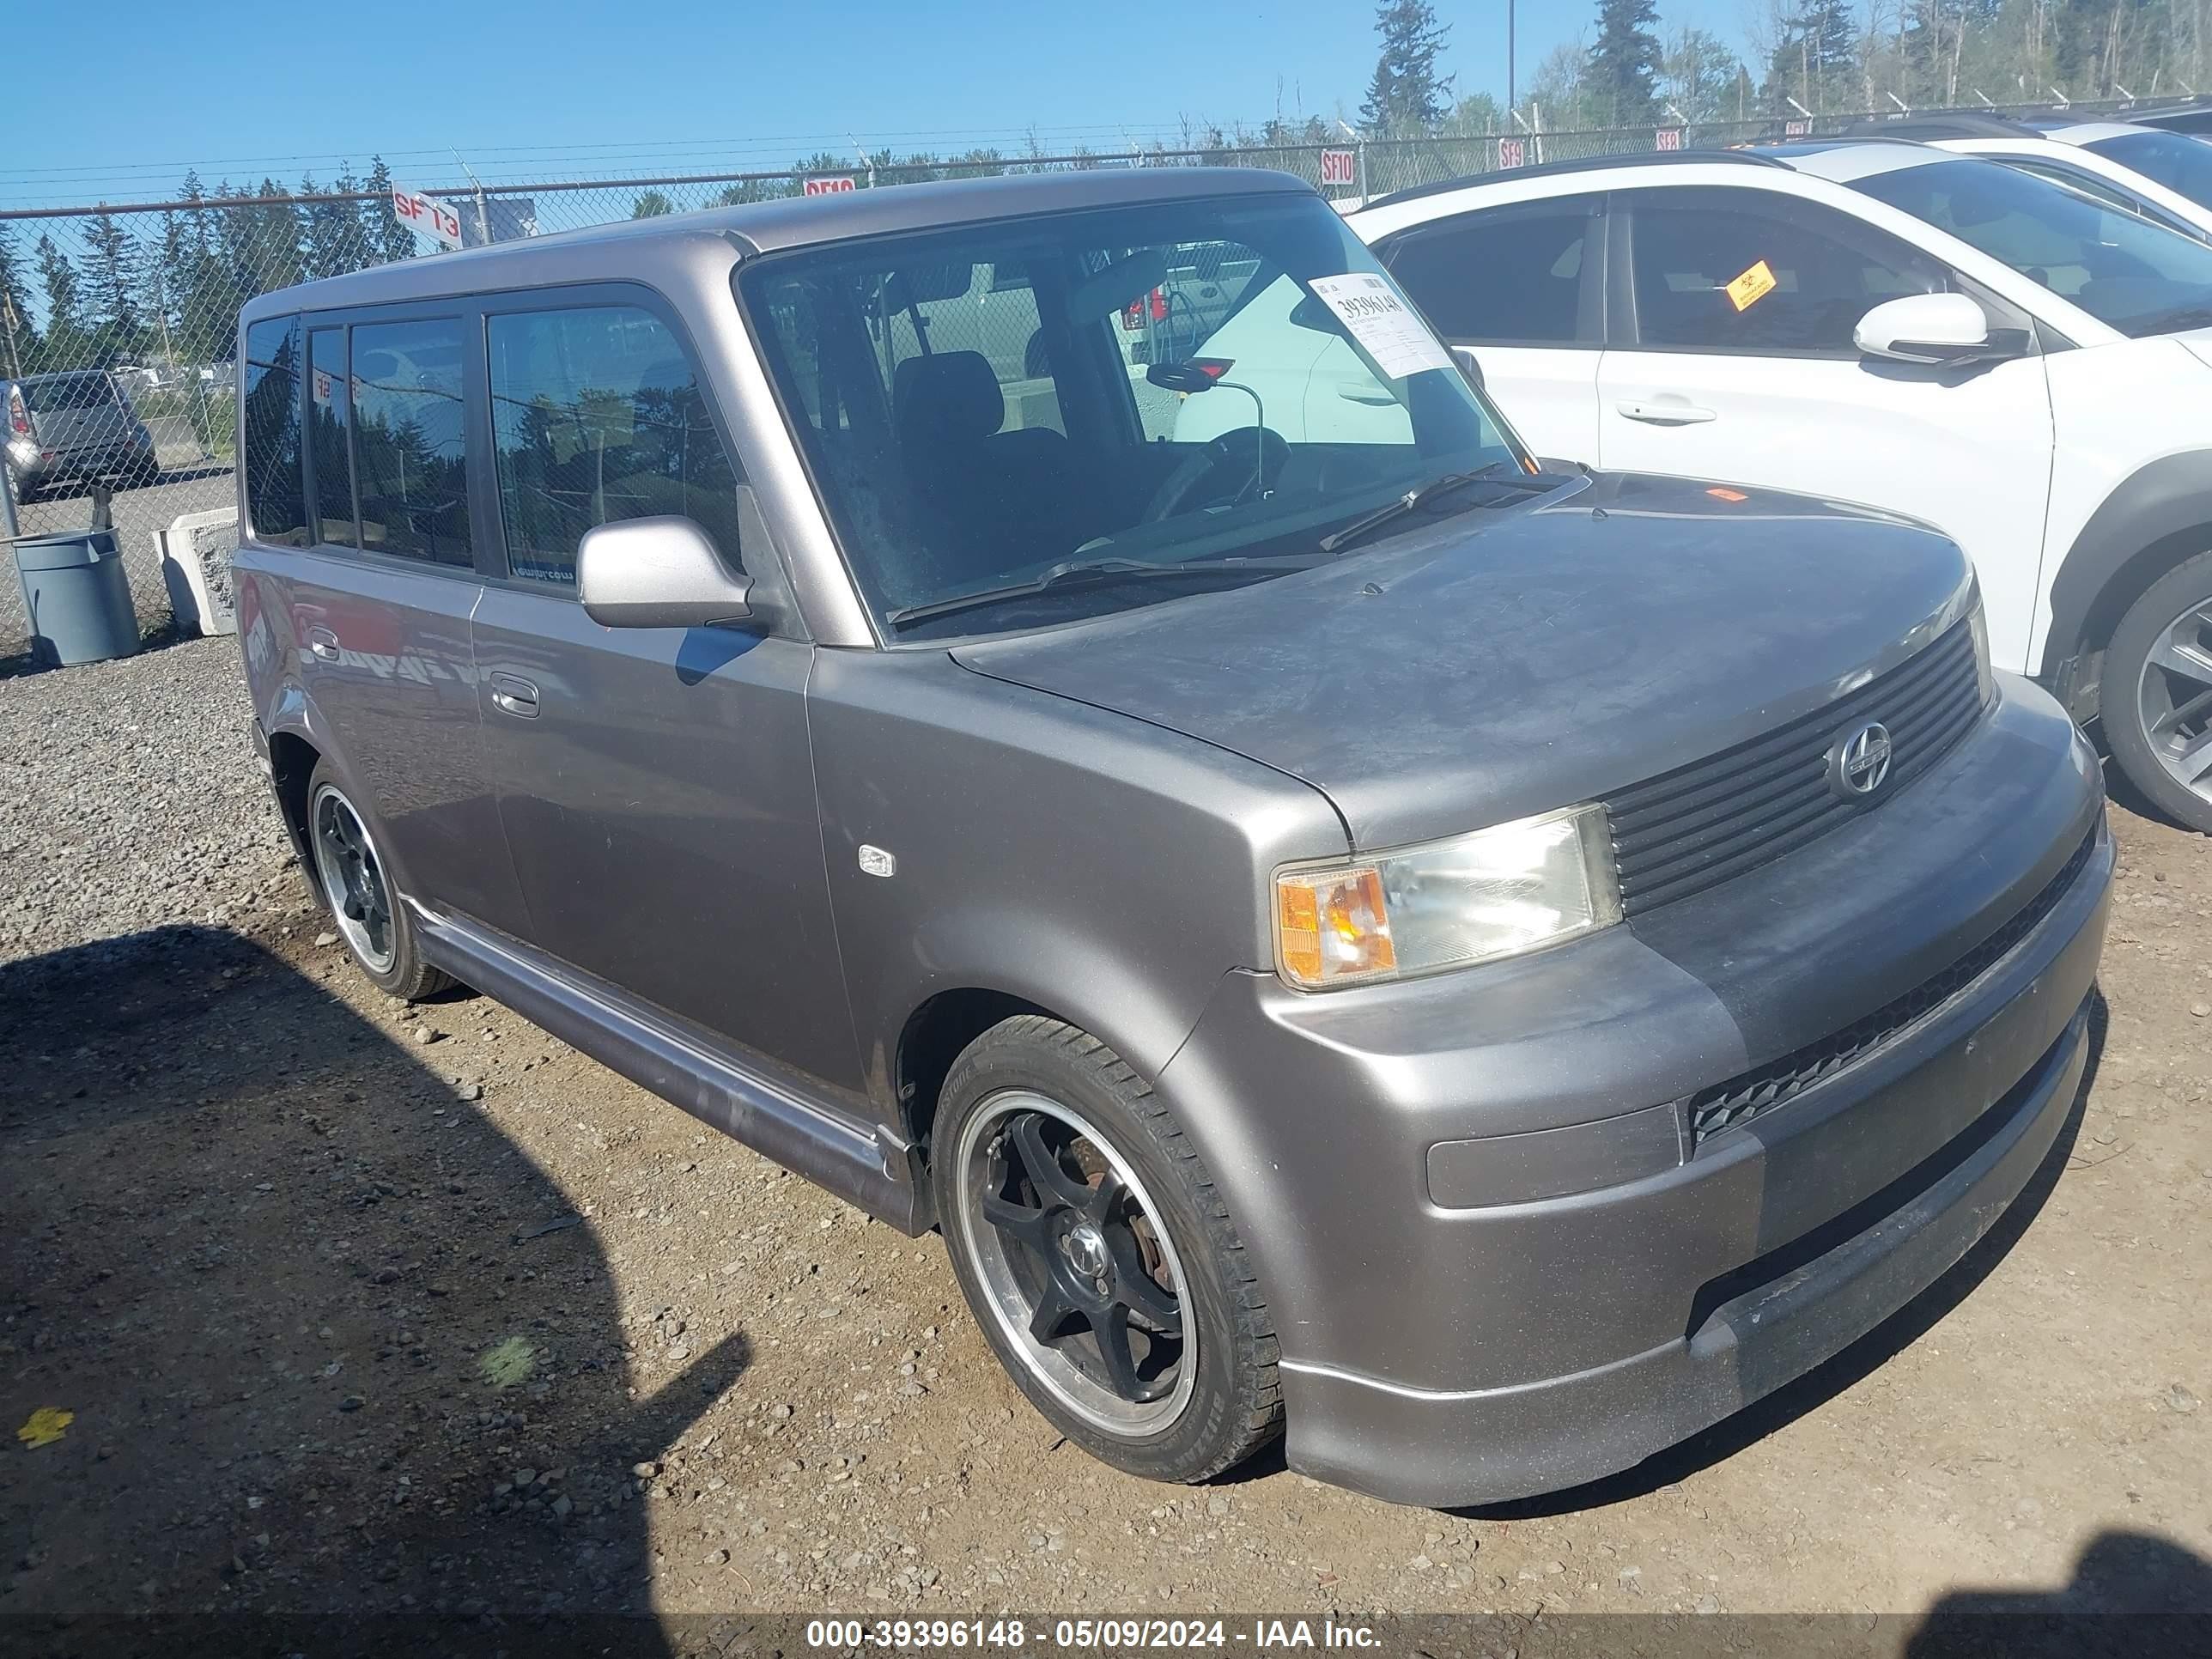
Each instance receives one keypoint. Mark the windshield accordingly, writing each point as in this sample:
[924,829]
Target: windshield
[1191,384]
[51,393]
[2183,164]
[2128,273]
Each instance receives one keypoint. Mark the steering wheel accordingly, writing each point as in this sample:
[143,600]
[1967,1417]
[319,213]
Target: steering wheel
[1225,468]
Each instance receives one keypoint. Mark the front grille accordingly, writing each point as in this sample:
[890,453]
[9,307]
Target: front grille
[1706,823]
[1780,1081]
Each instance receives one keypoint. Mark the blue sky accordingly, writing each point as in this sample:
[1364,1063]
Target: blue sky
[565,90]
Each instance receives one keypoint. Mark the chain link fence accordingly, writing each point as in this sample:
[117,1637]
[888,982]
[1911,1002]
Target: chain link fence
[118,320]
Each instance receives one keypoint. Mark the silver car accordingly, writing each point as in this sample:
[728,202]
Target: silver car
[75,425]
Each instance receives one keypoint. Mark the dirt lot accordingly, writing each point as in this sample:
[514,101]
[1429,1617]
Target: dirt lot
[382,1311]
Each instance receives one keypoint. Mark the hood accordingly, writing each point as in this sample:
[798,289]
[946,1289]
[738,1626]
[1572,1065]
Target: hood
[1505,662]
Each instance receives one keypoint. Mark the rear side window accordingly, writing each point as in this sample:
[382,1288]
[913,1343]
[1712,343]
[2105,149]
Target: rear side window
[598,416]
[268,446]
[330,418]
[410,463]
[1513,276]
[1722,271]
[50,394]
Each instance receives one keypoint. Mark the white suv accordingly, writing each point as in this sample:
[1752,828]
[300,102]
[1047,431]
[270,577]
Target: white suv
[1887,324]
[2162,176]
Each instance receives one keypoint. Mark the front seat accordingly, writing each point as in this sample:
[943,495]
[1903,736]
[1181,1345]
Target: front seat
[992,502]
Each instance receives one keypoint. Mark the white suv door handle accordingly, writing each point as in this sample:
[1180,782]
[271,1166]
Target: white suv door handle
[1665,412]
[323,643]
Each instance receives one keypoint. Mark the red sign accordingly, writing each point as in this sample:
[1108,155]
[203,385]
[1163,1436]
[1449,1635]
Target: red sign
[429,218]
[1512,152]
[1340,167]
[1669,138]
[829,184]
[1796,129]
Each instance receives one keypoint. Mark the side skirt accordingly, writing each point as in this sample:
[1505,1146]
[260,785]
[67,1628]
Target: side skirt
[863,1163]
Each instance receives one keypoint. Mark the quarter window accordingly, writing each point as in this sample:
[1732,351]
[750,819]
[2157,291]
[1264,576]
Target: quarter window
[597,416]
[409,458]
[330,406]
[1508,277]
[276,498]
[1715,272]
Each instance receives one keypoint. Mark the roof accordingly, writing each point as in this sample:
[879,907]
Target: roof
[766,227]
[1579,164]
[1928,129]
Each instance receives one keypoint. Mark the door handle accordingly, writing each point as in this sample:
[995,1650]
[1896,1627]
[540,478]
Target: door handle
[323,643]
[1665,412]
[517,695]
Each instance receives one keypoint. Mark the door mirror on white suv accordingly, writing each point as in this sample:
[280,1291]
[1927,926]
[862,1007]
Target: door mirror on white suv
[1934,329]
[657,573]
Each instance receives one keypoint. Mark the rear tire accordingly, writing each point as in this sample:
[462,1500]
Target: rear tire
[25,493]
[1098,1256]
[2157,694]
[349,876]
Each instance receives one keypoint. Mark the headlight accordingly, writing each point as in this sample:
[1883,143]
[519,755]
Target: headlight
[1978,624]
[1473,898]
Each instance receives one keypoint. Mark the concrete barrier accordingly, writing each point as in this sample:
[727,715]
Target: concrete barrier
[195,551]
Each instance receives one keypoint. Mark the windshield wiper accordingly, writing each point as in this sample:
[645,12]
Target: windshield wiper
[1422,494]
[1094,573]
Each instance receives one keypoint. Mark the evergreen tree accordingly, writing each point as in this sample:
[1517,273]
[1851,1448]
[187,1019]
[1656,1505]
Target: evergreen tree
[111,274]
[651,206]
[1406,95]
[18,340]
[65,331]
[1621,82]
[334,238]
[387,238]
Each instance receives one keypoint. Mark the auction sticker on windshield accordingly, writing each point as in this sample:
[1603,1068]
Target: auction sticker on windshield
[1385,324]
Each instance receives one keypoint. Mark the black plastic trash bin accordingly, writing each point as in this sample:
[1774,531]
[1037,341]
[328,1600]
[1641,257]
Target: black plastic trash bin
[76,596]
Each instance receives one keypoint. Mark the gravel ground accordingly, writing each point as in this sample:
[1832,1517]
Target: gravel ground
[391,1311]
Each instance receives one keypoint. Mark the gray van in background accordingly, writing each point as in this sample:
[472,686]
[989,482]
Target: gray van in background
[1481,969]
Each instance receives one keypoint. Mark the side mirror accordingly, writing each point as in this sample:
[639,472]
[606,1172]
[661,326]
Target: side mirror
[1470,370]
[657,573]
[1933,329]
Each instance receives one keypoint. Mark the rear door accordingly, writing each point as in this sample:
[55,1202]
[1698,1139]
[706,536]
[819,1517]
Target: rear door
[1732,358]
[655,783]
[1519,291]
[378,611]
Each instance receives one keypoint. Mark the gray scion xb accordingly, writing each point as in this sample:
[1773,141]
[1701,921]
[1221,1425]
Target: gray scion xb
[1347,929]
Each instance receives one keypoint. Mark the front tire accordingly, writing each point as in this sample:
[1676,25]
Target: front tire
[2157,694]
[1099,1258]
[351,880]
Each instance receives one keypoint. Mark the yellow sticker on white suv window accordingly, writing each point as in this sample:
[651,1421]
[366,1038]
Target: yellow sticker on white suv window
[1754,285]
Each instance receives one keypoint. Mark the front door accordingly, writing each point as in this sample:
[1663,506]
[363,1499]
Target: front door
[655,784]
[1517,292]
[1740,367]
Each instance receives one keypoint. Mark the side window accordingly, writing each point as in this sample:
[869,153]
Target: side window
[410,460]
[269,449]
[597,415]
[1510,278]
[2088,183]
[1719,271]
[330,414]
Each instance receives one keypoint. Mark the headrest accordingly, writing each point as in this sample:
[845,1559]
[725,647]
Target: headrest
[947,395]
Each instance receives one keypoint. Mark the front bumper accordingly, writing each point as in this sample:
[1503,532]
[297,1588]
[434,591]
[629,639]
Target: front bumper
[1447,1338]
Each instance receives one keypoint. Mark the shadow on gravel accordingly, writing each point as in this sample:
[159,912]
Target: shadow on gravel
[2132,1596]
[1830,1378]
[337,1386]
